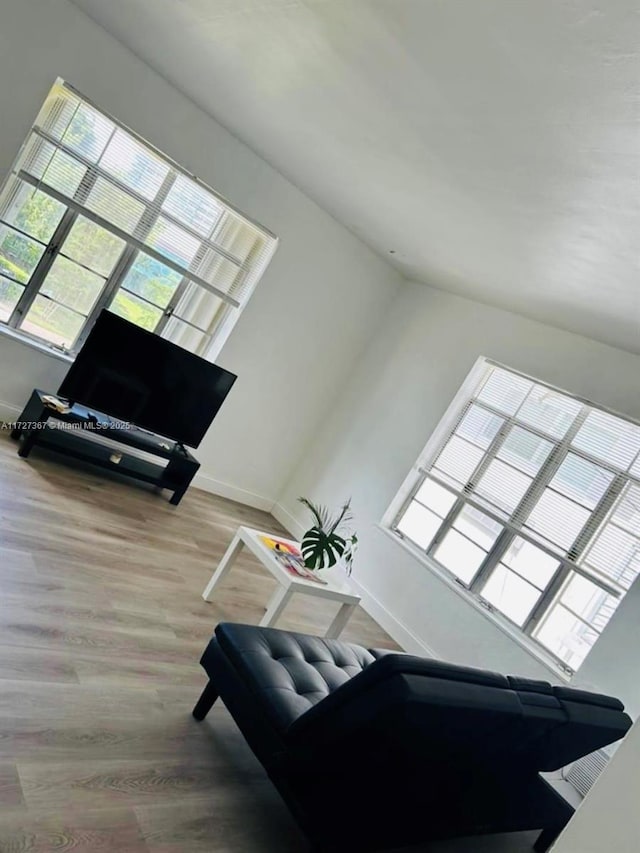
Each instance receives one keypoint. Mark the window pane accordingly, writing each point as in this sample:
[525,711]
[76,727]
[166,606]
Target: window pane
[10,293]
[58,110]
[115,205]
[53,322]
[88,132]
[588,601]
[224,274]
[32,211]
[477,526]
[504,391]
[239,239]
[419,524]
[530,562]
[510,594]
[460,556]
[459,459]
[185,335]
[435,497]
[479,426]
[566,636]
[53,167]
[552,413]
[19,255]
[200,308]
[173,242]
[193,205]
[72,285]
[576,619]
[626,512]
[152,280]
[135,310]
[137,167]
[581,480]
[615,554]
[91,245]
[525,450]
[503,486]
[609,438]
[557,519]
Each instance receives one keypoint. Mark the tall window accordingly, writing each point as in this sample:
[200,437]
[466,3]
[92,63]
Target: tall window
[93,217]
[531,501]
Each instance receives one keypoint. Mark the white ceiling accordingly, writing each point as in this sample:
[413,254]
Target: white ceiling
[494,145]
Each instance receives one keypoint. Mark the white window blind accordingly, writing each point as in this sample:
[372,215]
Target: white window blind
[92,216]
[532,502]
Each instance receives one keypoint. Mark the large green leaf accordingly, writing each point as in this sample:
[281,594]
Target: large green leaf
[321,550]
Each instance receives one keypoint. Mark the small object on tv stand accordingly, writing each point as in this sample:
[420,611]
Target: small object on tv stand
[56,403]
[39,425]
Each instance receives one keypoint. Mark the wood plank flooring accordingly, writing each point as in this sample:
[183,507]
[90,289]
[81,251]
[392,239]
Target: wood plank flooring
[101,629]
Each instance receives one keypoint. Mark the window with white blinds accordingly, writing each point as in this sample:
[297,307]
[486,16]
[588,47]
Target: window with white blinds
[532,502]
[93,217]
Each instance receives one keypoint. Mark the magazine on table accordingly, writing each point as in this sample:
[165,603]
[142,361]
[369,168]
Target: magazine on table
[290,558]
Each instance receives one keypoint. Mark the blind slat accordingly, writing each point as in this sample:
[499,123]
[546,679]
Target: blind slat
[100,168]
[57,160]
[94,217]
[537,472]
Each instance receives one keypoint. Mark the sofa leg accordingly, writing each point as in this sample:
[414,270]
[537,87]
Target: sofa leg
[204,703]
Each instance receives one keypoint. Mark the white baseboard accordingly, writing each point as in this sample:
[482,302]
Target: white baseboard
[9,412]
[288,521]
[233,493]
[405,638]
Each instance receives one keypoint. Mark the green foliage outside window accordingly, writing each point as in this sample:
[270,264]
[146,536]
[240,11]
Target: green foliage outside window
[135,310]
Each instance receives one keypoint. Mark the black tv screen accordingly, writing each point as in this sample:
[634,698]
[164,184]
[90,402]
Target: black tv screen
[135,376]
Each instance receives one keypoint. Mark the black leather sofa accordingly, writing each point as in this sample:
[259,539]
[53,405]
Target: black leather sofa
[373,750]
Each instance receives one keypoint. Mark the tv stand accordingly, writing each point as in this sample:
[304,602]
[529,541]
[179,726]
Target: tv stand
[79,433]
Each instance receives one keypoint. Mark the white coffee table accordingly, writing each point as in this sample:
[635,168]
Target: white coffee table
[336,589]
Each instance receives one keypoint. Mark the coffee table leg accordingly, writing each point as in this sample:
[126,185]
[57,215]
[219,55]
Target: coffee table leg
[344,614]
[277,604]
[224,565]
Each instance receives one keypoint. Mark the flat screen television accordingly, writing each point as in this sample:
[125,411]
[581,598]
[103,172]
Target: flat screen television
[135,376]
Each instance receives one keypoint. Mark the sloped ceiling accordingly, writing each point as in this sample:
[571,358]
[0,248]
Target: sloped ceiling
[487,147]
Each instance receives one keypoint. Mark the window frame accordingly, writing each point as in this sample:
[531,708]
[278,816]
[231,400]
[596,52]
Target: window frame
[232,303]
[513,525]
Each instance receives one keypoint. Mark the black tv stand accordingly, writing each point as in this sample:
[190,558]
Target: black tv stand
[79,433]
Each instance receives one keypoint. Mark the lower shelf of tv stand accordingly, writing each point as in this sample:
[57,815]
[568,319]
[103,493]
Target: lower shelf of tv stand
[98,454]
[40,427]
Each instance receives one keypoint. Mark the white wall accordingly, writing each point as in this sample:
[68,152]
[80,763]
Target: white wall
[398,393]
[609,818]
[313,310]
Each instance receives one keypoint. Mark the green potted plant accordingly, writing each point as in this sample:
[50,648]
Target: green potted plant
[330,539]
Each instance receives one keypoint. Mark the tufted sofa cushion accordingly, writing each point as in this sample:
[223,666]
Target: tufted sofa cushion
[289,673]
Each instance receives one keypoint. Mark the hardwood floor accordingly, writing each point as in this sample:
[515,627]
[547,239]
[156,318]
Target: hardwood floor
[101,629]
